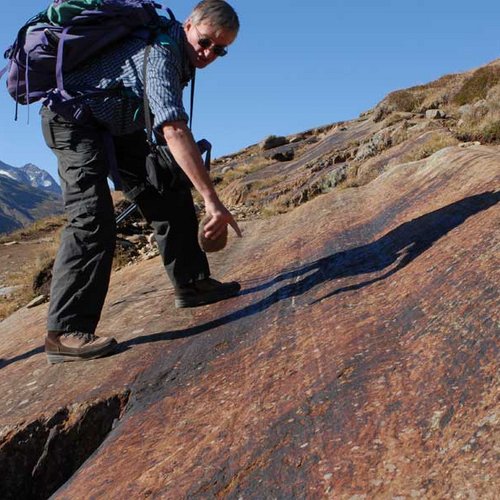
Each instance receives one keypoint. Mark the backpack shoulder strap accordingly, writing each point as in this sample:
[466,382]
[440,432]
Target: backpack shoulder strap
[145,100]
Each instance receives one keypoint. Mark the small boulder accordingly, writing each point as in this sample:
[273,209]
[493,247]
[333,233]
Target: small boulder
[283,155]
[273,141]
[433,114]
[341,157]
[37,301]
[297,138]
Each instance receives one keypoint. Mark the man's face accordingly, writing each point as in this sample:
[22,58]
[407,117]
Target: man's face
[198,35]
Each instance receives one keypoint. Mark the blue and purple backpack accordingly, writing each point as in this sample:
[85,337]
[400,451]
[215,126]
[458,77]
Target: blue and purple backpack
[66,35]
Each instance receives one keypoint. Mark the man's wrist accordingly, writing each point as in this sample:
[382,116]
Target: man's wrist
[210,196]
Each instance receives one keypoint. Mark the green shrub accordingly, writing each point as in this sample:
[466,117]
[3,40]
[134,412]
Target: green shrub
[476,87]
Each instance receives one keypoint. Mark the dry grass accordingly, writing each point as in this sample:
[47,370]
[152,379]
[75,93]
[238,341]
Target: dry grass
[243,170]
[491,133]
[443,82]
[480,121]
[36,230]
[393,118]
[24,271]
[279,205]
[7,307]
[263,184]
[403,100]
[431,146]
[24,281]
[27,269]
[486,134]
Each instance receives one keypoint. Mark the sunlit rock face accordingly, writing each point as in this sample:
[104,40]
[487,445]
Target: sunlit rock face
[359,359]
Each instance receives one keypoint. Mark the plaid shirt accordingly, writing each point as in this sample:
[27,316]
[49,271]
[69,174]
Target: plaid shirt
[168,72]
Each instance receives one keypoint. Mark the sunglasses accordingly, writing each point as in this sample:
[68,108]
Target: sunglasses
[205,43]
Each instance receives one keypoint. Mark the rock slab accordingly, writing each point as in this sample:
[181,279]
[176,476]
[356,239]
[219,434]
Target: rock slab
[359,361]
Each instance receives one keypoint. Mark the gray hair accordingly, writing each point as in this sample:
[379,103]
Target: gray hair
[218,13]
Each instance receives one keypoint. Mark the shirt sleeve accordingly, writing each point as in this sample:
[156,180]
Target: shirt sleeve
[164,86]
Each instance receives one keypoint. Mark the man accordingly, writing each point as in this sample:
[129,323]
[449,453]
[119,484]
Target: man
[83,264]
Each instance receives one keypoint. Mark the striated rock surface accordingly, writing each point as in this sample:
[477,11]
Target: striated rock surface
[359,361]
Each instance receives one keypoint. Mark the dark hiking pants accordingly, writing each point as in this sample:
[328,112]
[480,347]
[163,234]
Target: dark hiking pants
[82,269]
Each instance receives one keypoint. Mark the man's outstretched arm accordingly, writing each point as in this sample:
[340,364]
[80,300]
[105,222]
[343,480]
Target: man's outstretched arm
[185,151]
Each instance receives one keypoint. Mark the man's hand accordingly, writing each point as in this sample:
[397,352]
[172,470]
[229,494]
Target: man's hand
[220,218]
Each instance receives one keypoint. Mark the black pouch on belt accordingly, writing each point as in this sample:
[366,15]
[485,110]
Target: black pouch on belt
[164,173]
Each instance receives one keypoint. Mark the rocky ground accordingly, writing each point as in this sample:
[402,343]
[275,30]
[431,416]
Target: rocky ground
[359,361]
[282,173]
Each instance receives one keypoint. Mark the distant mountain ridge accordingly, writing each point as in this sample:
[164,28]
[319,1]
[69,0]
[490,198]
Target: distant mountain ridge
[26,194]
[32,175]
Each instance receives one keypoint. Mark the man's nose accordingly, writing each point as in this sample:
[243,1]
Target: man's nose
[208,53]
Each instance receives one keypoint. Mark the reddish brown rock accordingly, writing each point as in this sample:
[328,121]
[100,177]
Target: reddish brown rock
[360,359]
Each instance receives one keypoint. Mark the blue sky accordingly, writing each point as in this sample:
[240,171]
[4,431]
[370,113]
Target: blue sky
[297,65]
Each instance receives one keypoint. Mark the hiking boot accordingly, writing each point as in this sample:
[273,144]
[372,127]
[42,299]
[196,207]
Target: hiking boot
[206,291]
[76,346]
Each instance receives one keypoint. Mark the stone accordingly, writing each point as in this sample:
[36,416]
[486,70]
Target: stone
[37,301]
[43,278]
[206,244]
[432,114]
[363,329]
[6,291]
[297,138]
[380,112]
[312,140]
[341,157]
[282,155]
[466,109]
[377,143]
[273,141]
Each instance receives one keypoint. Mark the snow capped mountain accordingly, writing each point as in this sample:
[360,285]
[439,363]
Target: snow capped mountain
[31,175]
[8,174]
[41,179]
[26,194]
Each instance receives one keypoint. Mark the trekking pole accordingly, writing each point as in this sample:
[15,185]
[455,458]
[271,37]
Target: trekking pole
[126,213]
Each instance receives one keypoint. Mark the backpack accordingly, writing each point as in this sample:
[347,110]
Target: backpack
[67,34]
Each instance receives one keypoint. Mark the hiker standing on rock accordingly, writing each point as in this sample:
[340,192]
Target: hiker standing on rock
[85,152]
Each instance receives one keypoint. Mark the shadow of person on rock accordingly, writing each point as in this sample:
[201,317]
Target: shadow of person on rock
[403,244]
[395,250]
[409,240]
[391,252]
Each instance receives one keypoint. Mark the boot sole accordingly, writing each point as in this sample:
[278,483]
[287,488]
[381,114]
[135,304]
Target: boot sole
[55,358]
[183,302]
